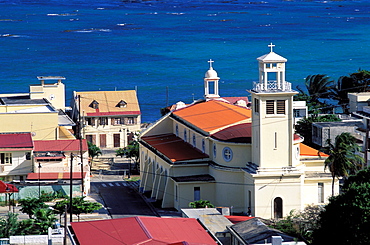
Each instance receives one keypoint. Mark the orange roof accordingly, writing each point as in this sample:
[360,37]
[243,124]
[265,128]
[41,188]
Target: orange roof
[174,147]
[309,151]
[212,115]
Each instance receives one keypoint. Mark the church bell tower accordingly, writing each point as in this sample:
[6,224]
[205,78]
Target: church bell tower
[272,113]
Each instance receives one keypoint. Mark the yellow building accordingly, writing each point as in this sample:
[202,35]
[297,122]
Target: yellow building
[35,112]
[109,118]
[234,156]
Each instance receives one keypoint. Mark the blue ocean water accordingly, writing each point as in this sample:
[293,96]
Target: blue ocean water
[155,45]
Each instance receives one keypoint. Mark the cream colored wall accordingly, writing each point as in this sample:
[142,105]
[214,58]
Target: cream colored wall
[229,188]
[270,150]
[44,125]
[20,165]
[241,154]
[109,130]
[53,92]
[64,164]
[11,108]
[267,188]
[249,199]
[311,193]
[186,193]
[315,164]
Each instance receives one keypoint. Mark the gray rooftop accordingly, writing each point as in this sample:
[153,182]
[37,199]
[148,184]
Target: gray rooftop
[21,100]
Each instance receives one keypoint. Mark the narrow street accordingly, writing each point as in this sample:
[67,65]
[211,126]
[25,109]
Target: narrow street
[120,199]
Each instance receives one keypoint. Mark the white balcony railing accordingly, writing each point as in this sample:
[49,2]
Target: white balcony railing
[272,86]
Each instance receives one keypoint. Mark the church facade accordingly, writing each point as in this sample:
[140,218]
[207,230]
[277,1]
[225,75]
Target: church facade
[232,155]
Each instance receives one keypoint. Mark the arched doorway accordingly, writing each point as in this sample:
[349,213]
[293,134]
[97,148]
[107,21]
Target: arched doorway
[278,208]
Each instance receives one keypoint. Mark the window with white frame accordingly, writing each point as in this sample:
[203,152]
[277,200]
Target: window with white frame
[130,120]
[177,130]
[194,141]
[6,158]
[203,146]
[214,150]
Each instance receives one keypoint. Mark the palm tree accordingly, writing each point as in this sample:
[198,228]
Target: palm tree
[356,82]
[343,158]
[94,151]
[318,87]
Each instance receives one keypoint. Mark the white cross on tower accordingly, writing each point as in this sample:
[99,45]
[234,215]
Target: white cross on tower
[271,46]
[210,63]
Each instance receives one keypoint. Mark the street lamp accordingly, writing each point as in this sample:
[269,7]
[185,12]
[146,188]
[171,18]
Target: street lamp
[39,167]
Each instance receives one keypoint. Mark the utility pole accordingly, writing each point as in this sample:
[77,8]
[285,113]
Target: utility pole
[80,138]
[364,165]
[70,189]
[65,226]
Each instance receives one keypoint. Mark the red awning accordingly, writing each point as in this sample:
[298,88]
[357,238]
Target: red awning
[7,188]
[48,158]
[54,176]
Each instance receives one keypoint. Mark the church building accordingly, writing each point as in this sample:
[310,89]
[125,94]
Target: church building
[235,156]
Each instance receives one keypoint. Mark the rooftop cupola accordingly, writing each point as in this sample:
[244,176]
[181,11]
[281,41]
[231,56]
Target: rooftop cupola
[211,83]
[272,73]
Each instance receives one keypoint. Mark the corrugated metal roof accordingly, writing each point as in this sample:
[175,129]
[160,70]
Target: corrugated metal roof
[16,141]
[210,218]
[141,230]
[60,145]
[213,115]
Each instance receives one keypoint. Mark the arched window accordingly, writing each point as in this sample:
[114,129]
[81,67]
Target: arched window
[278,208]
[194,141]
[177,130]
[185,135]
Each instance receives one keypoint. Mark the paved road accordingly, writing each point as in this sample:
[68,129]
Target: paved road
[121,200]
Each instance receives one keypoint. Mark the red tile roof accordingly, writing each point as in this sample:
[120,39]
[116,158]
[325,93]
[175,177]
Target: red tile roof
[54,176]
[212,115]
[60,145]
[16,141]
[174,147]
[141,230]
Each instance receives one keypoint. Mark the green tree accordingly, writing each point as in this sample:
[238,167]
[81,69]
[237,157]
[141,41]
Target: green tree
[346,219]
[343,158]
[94,151]
[300,224]
[356,82]
[29,205]
[44,218]
[131,151]
[79,206]
[317,87]
[201,204]
[9,225]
